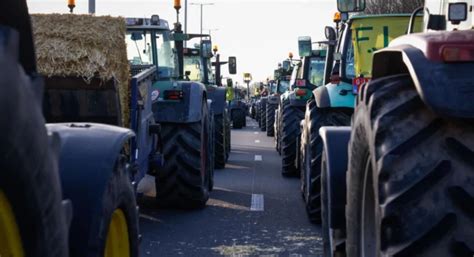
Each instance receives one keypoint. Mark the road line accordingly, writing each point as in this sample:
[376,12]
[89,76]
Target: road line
[258,158]
[256,203]
[257,141]
[256,133]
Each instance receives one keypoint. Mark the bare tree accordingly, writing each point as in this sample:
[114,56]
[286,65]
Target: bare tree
[392,6]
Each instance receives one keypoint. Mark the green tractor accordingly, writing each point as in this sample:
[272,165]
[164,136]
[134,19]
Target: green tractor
[183,108]
[282,77]
[306,75]
[333,103]
[271,106]
[198,68]
[398,182]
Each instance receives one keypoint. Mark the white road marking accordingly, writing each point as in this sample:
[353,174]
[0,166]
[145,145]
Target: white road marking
[258,158]
[256,133]
[256,202]
[257,141]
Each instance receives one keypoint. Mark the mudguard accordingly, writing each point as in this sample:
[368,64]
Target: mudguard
[294,102]
[217,95]
[186,110]
[273,99]
[87,158]
[447,88]
[335,143]
[334,95]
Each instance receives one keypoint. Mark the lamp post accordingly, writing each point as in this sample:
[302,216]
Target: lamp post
[91,6]
[201,5]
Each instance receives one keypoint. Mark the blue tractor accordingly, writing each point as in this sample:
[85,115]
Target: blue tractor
[182,108]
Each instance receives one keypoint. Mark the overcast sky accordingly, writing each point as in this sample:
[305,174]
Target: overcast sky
[260,33]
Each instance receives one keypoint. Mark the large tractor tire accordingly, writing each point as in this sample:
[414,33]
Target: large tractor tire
[263,116]
[32,219]
[227,137]
[238,118]
[333,240]
[312,143]
[410,190]
[270,109]
[118,229]
[220,133]
[290,128]
[183,182]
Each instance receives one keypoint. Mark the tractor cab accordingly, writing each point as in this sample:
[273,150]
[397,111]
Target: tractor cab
[150,43]
[196,67]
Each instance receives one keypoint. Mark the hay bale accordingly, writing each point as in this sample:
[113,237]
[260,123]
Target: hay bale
[84,46]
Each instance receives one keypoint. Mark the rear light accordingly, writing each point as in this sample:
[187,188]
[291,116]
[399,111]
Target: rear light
[173,95]
[300,92]
[357,82]
[335,79]
[301,83]
[453,53]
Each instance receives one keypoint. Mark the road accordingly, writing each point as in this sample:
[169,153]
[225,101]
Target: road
[253,211]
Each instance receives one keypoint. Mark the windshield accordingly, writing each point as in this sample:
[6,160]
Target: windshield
[147,47]
[316,71]
[284,86]
[139,48]
[167,59]
[192,64]
[272,87]
[350,71]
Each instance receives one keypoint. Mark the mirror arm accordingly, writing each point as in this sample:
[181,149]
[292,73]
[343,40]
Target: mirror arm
[411,25]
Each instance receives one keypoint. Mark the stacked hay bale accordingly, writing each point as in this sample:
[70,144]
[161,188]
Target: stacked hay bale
[84,46]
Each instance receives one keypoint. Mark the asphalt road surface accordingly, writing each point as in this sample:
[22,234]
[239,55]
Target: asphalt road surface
[253,211]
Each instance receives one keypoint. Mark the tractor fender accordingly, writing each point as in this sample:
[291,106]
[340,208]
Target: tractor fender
[334,95]
[273,99]
[446,88]
[186,110]
[295,102]
[335,143]
[217,95]
[87,157]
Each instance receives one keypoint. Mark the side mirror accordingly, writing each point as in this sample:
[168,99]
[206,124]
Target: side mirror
[286,65]
[232,65]
[457,12]
[350,5]
[276,74]
[206,49]
[136,36]
[330,33]
[304,46]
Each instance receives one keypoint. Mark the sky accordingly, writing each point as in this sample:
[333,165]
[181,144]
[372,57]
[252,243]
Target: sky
[260,33]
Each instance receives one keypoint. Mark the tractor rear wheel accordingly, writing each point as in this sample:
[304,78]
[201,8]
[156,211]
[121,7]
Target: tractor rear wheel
[290,128]
[184,180]
[220,139]
[410,190]
[238,118]
[315,118]
[263,116]
[270,109]
[227,136]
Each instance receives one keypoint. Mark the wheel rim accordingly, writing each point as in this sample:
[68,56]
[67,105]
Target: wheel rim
[368,222]
[10,240]
[118,243]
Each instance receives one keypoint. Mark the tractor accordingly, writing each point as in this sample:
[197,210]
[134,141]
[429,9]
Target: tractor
[282,77]
[181,107]
[333,103]
[66,189]
[398,181]
[197,67]
[237,106]
[271,106]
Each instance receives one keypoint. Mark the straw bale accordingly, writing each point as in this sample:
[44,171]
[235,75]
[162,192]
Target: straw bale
[84,46]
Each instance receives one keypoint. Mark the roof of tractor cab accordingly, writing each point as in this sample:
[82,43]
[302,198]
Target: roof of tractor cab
[146,24]
[372,16]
